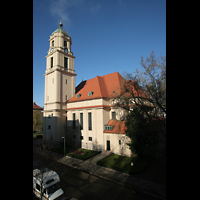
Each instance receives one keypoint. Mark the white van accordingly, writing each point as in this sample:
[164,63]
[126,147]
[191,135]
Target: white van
[48,182]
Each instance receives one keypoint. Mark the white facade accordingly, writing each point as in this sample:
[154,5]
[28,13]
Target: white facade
[95,139]
[59,86]
[65,115]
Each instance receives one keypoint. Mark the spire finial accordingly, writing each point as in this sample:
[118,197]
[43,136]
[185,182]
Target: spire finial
[60,24]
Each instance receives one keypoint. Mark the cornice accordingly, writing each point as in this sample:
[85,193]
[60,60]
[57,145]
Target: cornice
[59,68]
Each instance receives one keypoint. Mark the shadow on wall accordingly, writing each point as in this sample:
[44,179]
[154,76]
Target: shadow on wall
[55,129]
[92,146]
[73,133]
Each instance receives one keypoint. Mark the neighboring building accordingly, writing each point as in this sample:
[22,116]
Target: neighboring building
[37,118]
[84,115]
[36,107]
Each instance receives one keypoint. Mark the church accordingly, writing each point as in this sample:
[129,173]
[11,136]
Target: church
[84,115]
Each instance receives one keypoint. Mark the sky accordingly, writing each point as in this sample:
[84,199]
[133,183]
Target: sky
[107,35]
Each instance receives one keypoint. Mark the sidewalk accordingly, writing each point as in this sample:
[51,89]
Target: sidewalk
[142,186]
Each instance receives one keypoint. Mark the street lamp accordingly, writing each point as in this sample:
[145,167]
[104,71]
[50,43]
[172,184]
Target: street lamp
[64,145]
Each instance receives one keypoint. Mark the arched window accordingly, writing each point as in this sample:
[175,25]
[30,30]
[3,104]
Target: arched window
[65,43]
[52,43]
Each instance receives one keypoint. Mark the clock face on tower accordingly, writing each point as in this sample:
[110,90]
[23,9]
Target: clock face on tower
[51,50]
[66,50]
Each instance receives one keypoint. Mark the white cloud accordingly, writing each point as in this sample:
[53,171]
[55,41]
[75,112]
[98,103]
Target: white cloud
[61,8]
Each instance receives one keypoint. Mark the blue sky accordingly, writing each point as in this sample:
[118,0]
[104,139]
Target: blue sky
[107,35]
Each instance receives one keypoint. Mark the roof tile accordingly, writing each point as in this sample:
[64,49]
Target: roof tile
[119,126]
[36,107]
[101,86]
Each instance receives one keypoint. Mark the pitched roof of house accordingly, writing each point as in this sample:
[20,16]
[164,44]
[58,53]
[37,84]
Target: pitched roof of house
[101,87]
[107,86]
[36,107]
[118,127]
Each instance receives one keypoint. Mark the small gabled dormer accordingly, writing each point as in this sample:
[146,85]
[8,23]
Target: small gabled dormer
[108,127]
[78,96]
[90,93]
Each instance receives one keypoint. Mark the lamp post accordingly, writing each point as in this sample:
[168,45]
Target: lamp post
[64,145]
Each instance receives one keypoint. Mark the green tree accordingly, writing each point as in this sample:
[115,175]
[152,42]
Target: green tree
[37,120]
[143,97]
[146,134]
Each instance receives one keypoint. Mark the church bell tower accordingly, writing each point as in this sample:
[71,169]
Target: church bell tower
[59,85]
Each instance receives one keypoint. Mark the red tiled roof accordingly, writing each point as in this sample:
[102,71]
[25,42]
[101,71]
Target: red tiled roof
[129,87]
[118,126]
[107,86]
[101,86]
[36,107]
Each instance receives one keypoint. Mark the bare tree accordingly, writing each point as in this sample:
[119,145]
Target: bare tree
[146,91]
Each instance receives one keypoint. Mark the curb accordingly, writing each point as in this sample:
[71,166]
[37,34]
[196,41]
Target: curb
[80,163]
[126,184]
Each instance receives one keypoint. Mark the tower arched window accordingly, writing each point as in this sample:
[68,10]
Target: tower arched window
[65,43]
[52,43]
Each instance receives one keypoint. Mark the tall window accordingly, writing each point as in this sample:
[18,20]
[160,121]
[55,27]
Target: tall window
[89,121]
[52,43]
[65,43]
[51,62]
[74,120]
[114,115]
[65,62]
[81,121]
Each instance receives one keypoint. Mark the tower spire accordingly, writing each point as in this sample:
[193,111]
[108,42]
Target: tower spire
[60,24]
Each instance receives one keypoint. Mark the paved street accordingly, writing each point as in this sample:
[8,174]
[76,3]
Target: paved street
[81,185]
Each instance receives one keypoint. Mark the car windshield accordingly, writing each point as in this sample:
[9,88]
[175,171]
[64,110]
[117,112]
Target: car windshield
[53,188]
